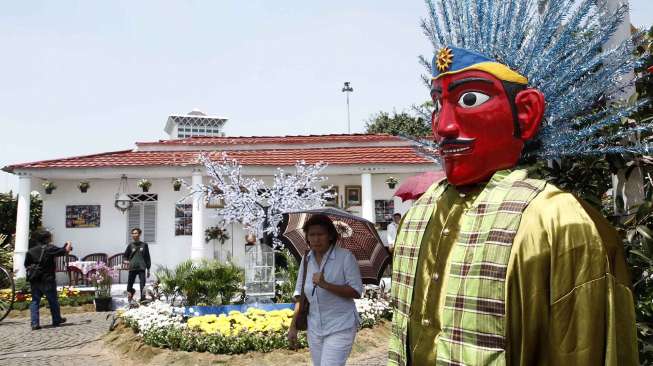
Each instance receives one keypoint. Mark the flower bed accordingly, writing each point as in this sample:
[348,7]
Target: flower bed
[161,325]
[252,321]
[67,297]
[372,311]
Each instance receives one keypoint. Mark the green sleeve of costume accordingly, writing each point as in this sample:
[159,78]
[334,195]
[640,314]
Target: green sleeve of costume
[569,296]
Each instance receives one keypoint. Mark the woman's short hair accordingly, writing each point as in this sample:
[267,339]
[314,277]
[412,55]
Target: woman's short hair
[325,222]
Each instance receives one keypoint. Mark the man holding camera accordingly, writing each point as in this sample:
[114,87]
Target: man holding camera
[41,267]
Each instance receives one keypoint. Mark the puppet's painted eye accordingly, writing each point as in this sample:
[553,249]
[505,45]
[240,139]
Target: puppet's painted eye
[472,99]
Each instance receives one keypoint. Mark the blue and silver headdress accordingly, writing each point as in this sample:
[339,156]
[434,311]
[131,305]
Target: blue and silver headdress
[556,46]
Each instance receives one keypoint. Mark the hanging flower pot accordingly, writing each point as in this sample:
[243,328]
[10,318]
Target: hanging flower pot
[83,186]
[250,239]
[176,184]
[391,182]
[217,233]
[145,185]
[49,187]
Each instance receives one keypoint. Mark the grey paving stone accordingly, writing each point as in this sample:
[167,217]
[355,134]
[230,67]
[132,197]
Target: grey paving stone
[20,345]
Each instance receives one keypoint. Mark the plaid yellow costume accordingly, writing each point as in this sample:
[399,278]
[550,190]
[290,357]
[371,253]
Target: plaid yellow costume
[516,273]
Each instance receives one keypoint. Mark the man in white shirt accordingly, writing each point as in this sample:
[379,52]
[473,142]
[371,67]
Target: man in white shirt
[392,230]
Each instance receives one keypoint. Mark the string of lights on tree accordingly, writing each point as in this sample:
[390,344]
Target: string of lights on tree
[246,198]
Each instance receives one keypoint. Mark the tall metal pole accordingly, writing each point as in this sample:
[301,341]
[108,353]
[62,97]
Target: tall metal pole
[348,89]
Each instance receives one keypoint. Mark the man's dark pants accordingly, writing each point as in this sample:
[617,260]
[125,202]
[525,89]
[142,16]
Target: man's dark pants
[130,282]
[49,289]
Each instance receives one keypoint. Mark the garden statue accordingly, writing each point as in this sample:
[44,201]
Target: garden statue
[492,267]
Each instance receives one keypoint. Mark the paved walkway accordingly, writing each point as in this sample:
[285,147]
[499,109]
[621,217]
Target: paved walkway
[68,345]
[77,343]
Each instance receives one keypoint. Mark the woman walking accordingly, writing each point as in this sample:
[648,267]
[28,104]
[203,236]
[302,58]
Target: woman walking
[332,283]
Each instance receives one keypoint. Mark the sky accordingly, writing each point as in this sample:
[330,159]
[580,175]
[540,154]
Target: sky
[84,77]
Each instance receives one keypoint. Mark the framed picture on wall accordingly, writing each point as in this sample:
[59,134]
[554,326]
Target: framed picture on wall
[333,201]
[383,211]
[82,216]
[183,219]
[352,196]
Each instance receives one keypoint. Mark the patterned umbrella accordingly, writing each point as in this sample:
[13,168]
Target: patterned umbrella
[414,187]
[356,234]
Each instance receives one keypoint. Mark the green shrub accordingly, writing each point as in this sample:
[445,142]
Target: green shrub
[285,287]
[63,301]
[23,305]
[6,254]
[22,285]
[208,282]
[183,339]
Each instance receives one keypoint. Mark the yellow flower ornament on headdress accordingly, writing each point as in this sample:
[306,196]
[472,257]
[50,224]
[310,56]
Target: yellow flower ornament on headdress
[443,59]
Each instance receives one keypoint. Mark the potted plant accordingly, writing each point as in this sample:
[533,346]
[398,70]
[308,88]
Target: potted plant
[391,182]
[215,232]
[176,184]
[83,186]
[49,187]
[102,278]
[250,240]
[145,184]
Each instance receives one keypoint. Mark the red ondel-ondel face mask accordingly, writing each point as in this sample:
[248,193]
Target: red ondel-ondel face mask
[475,126]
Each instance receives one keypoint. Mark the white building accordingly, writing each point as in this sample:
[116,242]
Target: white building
[174,227]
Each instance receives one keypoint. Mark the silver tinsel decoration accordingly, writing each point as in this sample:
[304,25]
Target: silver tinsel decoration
[245,197]
[560,46]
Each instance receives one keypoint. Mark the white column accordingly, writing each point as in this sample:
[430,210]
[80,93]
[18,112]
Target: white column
[621,34]
[366,196]
[197,245]
[22,222]
[631,189]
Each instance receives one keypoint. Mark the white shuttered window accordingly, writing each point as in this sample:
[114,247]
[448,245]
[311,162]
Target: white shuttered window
[143,215]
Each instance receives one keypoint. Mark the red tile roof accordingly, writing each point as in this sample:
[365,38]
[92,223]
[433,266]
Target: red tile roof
[280,157]
[284,140]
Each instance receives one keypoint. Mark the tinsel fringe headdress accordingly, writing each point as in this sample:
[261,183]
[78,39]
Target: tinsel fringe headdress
[560,46]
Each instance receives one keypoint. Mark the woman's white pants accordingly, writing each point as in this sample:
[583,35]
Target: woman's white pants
[331,350]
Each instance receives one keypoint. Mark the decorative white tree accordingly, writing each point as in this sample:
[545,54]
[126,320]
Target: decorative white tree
[258,207]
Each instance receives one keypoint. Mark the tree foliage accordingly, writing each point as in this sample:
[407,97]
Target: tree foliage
[8,210]
[403,124]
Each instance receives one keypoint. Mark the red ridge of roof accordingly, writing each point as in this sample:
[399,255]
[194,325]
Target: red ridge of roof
[277,157]
[10,168]
[286,140]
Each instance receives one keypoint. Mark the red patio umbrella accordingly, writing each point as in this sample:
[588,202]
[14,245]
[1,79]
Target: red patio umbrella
[414,187]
